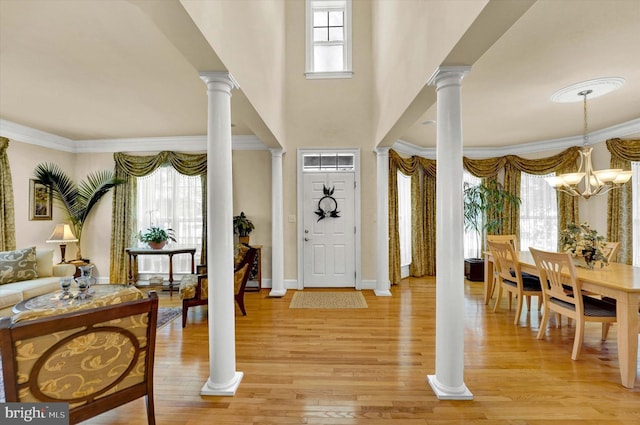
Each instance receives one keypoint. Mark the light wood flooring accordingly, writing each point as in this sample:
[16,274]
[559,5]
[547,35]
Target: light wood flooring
[368,366]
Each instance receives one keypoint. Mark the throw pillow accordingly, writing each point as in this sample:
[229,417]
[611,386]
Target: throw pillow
[18,265]
[44,262]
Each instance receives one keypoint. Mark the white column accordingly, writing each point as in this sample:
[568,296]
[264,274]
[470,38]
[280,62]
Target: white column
[223,377]
[382,223]
[448,382]
[277,216]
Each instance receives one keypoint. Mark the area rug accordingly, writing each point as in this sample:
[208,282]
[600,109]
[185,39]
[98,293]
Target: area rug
[167,314]
[328,300]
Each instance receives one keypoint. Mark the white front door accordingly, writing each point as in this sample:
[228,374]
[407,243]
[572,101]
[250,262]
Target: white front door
[329,230]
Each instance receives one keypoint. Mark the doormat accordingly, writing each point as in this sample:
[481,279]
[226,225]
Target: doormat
[328,300]
[167,314]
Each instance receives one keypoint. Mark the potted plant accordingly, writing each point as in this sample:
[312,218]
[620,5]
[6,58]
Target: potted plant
[157,237]
[482,203]
[78,200]
[242,226]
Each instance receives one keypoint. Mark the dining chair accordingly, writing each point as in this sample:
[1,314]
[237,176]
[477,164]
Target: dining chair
[563,294]
[611,251]
[512,279]
[512,239]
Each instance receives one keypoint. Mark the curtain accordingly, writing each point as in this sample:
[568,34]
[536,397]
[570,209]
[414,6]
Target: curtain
[7,218]
[423,198]
[423,215]
[619,214]
[513,166]
[129,168]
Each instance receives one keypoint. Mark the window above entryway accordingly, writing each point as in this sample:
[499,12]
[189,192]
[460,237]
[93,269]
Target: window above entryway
[328,36]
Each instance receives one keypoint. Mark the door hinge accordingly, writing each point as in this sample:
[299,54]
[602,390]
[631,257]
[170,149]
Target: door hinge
[354,184]
[354,230]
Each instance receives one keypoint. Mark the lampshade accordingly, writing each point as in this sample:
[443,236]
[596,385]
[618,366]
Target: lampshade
[62,234]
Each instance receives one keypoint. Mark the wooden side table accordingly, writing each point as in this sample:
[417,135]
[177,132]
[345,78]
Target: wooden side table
[78,264]
[255,278]
[133,261]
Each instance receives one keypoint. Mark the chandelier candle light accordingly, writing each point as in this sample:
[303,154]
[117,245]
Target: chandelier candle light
[588,182]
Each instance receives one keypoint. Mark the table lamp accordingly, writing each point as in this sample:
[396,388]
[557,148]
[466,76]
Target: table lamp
[62,234]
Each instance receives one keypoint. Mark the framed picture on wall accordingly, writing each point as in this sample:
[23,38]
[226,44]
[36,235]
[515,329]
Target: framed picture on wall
[40,201]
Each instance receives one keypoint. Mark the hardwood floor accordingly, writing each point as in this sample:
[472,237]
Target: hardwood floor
[356,366]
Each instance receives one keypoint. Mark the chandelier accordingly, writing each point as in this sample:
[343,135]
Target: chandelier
[587,182]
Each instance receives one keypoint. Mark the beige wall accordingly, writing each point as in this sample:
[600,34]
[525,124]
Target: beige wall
[330,113]
[252,194]
[426,31]
[96,238]
[249,39]
[23,159]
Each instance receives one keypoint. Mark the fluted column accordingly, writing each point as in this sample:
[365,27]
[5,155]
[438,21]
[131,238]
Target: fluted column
[223,377]
[448,382]
[382,223]
[277,238]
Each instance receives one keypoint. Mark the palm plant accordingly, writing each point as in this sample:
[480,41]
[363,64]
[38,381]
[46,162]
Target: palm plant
[482,204]
[78,200]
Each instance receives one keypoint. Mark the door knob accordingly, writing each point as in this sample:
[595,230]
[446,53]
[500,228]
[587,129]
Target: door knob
[306,239]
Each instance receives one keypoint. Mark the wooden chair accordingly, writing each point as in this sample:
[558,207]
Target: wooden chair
[95,359]
[512,239]
[611,251]
[511,277]
[563,295]
[196,292]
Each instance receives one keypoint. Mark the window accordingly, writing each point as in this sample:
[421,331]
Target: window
[538,213]
[313,162]
[169,199]
[635,191]
[328,39]
[404,220]
[471,238]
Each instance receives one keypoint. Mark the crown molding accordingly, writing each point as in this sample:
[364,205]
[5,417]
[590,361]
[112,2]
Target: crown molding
[620,130]
[32,136]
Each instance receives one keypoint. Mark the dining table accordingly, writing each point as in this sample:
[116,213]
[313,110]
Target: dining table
[616,280]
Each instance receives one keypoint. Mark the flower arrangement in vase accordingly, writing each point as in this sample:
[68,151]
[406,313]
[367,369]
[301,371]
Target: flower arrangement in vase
[584,244]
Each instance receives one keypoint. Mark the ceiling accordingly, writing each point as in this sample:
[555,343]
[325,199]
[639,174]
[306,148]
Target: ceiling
[104,70]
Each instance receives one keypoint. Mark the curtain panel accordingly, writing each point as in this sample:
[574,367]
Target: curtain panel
[129,168]
[7,207]
[423,215]
[620,211]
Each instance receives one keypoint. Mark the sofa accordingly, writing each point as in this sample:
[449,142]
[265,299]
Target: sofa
[26,273]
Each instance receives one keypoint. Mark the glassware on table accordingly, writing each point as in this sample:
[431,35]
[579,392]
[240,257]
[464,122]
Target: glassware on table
[83,287]
[85,272]
[65,285]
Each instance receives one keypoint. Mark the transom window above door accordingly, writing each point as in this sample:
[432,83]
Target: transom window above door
[328,162]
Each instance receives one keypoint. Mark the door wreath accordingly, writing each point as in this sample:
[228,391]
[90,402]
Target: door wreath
[327,205]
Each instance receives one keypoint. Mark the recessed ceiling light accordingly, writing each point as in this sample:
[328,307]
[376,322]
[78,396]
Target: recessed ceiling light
[428,122]
[598,87]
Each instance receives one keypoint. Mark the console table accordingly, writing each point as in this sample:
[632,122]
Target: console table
[170,252]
